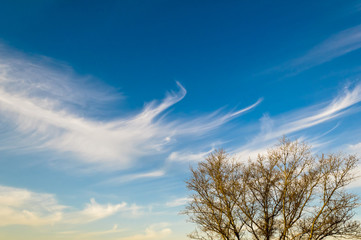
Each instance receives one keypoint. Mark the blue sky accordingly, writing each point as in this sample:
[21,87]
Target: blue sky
[105,105]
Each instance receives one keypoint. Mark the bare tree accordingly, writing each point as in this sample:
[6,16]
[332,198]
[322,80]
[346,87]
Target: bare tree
[288,193]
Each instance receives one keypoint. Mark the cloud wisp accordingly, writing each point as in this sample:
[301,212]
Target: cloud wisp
[42,108]
[295,122]
[133,177]
[315,115]
[291,123]
[178,202]
[94,211]
[342,43]
[188,157]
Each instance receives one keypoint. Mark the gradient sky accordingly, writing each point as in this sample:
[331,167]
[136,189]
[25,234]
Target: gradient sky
[104,105]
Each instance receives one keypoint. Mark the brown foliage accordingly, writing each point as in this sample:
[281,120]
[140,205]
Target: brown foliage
[288,193]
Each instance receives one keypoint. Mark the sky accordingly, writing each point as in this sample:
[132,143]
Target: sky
[105,105]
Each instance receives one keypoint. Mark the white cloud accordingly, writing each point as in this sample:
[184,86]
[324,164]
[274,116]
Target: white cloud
[135,176]
[178,202]
[42,109]
[203,124]
[188,157]
[23,207]
[287,124]
[355,148]
[20,206]
[335,46]
[94,211]
[155,231]
[315,115]
[293,123]
[86,235]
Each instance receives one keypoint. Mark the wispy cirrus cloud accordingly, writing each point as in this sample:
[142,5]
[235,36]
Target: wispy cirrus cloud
[94,211]
[341,43]
[42,108]
[178,202]
[314,115]
[20,206]
[187,156]
[291,124]
[46,79]
[135,176]
[273,128]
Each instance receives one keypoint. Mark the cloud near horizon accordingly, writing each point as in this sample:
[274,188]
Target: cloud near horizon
[43,109]
[152,232]
[20,206]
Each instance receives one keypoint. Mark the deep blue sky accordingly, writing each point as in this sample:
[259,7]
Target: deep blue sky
[133,45]
[114,100]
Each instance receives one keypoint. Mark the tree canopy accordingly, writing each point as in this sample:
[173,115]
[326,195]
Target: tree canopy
[287,193]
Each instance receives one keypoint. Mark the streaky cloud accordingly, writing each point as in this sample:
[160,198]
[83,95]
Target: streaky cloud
[212,121]
[315,115]
[135,176]
[187,156]
[178,202]
[54,84]
[300,120]
[339,44]
[36,116]
[93,211]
